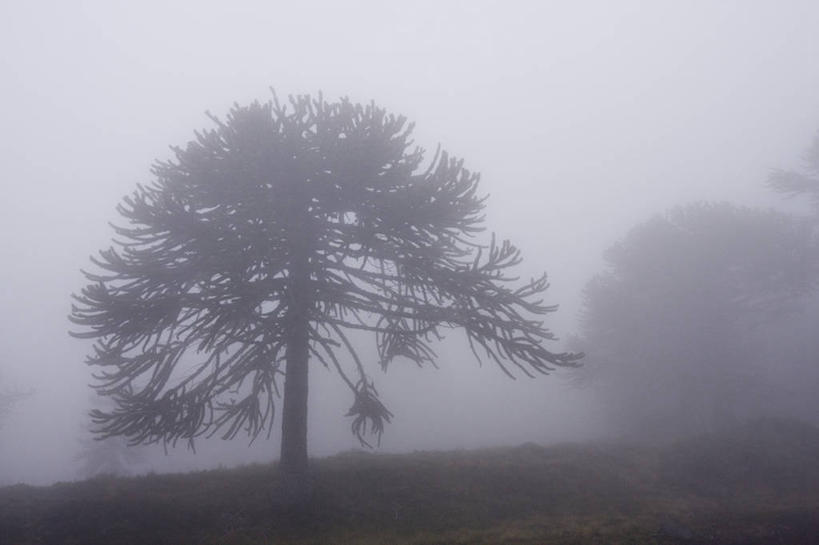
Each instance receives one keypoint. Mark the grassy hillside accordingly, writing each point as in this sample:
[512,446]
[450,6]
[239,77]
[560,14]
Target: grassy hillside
[757,484]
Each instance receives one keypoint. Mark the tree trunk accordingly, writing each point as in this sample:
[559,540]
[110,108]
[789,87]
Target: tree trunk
[293,465]
[295,484]
[294,414]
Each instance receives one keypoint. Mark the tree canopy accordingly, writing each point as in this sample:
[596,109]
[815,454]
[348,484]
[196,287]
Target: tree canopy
[679,328]
[265,243]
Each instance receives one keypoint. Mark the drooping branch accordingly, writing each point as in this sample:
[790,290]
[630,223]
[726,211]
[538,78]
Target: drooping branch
[369,414]
[328,207]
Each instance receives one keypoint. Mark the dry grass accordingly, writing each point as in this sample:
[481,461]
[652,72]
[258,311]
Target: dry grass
[757,485]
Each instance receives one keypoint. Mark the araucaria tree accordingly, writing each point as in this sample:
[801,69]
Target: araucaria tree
[263,245]
[690,327]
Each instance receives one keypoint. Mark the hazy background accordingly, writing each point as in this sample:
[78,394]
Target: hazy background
[584,118]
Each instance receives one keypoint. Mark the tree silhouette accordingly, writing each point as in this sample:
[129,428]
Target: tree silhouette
[685,327]
[804,182]
[263,245]
[8,400]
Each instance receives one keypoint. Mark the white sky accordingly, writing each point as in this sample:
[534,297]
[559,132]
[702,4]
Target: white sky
[584,118]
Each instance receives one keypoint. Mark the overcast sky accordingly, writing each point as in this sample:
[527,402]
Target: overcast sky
[584,119]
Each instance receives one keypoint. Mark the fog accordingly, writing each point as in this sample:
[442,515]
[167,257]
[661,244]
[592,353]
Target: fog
[584,119]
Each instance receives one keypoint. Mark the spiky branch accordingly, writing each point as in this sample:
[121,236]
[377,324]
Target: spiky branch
[310,215]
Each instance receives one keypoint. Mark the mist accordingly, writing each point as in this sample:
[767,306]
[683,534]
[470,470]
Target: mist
[585,120]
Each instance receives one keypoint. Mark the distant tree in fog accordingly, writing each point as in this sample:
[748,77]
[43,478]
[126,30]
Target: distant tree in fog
[678,329]
[800,183]
[9,398]
[7,402]
[108,455]
[263,245]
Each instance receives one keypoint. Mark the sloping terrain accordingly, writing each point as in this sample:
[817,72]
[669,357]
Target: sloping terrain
[756,484]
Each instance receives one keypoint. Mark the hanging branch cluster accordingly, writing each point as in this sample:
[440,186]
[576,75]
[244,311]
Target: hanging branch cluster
[311,209]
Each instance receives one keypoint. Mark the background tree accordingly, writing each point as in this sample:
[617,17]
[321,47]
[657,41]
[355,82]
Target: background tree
[109,455]
[8,400]
[684,330]
[263,245]
[805,182]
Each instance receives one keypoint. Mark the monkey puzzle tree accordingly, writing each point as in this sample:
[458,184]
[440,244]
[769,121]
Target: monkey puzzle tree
[686,326]
[263,245]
